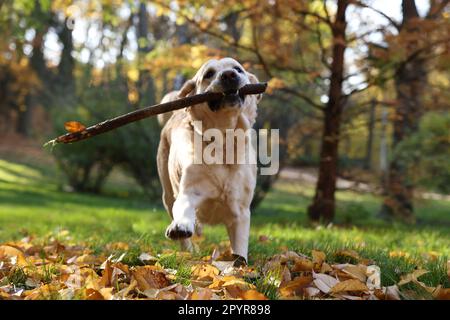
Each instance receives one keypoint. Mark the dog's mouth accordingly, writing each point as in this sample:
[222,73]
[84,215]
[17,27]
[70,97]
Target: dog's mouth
[231,98]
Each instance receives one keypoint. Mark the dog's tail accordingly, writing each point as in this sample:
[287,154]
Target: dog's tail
[164,117]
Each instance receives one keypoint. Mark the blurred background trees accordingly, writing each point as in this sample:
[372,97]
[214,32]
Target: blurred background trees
[356,91]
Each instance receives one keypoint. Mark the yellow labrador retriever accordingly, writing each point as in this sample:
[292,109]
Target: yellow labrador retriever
[196,193]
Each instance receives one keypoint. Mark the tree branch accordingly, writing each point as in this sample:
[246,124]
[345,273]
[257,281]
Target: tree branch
[436,9]
[140,114]
[396,24]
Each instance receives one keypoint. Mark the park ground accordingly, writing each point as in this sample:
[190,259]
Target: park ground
[122,220]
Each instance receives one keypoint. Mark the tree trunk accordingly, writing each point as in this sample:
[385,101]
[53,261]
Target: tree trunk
[38,65]
[384,149]
[323,206]
[410,81]
[370,128]
[66,67]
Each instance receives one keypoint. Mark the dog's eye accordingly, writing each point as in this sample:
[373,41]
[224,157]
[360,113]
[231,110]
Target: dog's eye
[238,69]
[209,74]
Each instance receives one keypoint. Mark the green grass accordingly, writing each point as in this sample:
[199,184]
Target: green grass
[31,203]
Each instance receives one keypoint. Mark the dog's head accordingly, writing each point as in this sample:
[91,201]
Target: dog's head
[225,75]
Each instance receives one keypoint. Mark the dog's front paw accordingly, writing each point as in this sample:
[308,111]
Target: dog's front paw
[179,230]
[239,261]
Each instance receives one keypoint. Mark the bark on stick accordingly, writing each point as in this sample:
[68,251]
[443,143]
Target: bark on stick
[156,109]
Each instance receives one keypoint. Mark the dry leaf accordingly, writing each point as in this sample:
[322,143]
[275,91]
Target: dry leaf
[204,272]
[296,286]
[253,295]
[373,274]
[349,285]
[318,257]
[233,281]
[324,282]
[87,259]
[223,265]
[149,277]
[302,265]
[285,276]
[92,294]
[356,272]
[442,294]
[311,292]
[12,255]
[412,277]
[348,253]
[107,293]
[348,297]
[168,295]
[392,293]
[146,257]
[325,268]
[106,275]
[202,294]
[74,126]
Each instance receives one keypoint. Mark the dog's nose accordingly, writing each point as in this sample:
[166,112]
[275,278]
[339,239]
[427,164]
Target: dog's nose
[229,79]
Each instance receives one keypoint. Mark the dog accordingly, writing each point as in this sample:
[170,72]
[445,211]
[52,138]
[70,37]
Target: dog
[196,194]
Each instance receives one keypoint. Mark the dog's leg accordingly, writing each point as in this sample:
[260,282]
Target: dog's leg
[186,245]
[238,232]
[183,224]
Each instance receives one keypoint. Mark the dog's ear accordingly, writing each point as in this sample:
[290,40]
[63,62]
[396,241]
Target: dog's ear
[187,89]
[254,80]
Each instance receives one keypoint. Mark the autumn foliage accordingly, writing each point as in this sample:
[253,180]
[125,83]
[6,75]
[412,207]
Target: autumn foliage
[55,270]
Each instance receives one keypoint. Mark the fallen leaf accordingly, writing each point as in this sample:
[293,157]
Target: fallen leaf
[373,274]
[204,272]
[92,294]
[168,295]
[106,275]
[348,297]
[12,255]
[107,293]
[74,126]
[87,259]
[412,277]
[349,285]
[146,257]
[392,293]
[126,291]
[296,286]
[324,282]
[117,246]
[233,281]
[318,257]
[302,265]
[223,265]
[356,272]
[348,253]
[442,294]
[285,276]
[201,294]
[311,292]
[149,277]
[253,295]
[325,268]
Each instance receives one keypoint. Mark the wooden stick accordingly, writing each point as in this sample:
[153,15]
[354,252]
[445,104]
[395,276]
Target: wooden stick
[156,109]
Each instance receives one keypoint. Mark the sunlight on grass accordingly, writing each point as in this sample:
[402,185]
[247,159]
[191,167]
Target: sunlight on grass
[17,173]
[31,204]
